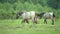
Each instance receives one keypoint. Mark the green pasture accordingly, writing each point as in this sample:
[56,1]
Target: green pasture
[9,26]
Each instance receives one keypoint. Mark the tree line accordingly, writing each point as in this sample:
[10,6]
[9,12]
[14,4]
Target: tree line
[9,8]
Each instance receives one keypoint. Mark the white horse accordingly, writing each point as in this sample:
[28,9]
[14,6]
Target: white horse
[47,15]
[28,15]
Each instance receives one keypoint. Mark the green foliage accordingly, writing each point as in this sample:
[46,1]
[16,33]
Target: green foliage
[9,8]
[53,3]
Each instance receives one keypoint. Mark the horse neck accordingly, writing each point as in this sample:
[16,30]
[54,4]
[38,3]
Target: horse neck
[41,14]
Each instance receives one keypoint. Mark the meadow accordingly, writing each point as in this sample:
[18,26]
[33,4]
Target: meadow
[8,26]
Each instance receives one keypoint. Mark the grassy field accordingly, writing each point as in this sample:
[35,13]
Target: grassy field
[15,27]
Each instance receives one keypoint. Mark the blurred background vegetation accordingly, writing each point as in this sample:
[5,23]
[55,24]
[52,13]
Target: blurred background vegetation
[9,8]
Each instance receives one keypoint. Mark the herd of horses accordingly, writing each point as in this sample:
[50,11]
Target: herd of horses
[26,16]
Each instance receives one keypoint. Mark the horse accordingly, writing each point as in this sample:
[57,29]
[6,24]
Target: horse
[27,15]
[47,15]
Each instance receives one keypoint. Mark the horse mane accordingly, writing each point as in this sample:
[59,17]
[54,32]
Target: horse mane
[40,14]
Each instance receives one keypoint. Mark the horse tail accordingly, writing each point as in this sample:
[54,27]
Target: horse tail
[53,15]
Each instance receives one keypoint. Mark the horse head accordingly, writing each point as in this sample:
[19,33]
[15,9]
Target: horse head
[40,15]
[19,14]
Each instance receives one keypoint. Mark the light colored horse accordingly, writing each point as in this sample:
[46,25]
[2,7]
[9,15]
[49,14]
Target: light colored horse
[29,15]
[47,15]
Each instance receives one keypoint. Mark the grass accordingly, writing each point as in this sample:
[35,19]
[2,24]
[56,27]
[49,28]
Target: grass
[15,27]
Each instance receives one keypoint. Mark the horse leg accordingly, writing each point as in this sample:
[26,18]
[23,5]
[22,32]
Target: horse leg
[52,21]
[35,20]
[45,21]
[27,21]
[23,21]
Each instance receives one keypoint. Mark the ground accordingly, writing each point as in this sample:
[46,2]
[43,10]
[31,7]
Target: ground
[8,26]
